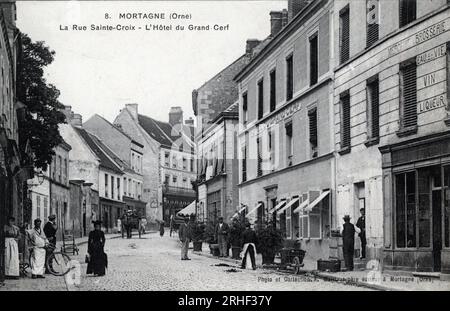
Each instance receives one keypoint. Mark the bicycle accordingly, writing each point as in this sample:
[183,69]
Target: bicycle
[57,263]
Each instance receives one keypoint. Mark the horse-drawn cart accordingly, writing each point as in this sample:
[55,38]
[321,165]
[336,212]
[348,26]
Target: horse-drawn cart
[132,221]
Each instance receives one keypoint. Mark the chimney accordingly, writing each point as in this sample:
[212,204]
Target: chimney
[295,6]
[251,45]
[175,116]
[284,20]
[189,122]
[133,109]
[276,22]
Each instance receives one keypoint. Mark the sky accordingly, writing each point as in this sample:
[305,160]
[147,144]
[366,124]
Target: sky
[100,71]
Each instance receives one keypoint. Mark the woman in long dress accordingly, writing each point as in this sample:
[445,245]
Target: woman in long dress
[161,228]
[97,257]
[11,249]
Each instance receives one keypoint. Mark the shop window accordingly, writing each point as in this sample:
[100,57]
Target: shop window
[408,94]
[405,185]
[408,11]
[372,22]
[313,59]
[447,206]
[273,90]
[312,116]
[244,107]
[373,111]
[344,34]
[424,208]
[345,120]
[289,144]
[289,77]
[260,98]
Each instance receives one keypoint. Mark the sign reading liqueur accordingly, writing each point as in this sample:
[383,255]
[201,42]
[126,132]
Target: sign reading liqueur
[432,103]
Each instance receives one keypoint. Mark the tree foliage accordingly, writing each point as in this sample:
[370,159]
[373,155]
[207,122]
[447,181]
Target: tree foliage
[39,125]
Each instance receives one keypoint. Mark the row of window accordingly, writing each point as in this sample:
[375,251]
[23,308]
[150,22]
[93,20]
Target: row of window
[174,181]
[407,14]
[131,188]
[136,162]
[59,169]
[185,163]
[41,205]
[267,152]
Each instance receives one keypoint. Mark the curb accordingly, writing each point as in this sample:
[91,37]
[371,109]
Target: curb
[315,273]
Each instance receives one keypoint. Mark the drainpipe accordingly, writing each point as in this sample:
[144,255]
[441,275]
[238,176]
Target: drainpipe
[224,195]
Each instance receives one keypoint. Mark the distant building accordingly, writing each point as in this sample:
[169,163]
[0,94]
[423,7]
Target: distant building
[168,162]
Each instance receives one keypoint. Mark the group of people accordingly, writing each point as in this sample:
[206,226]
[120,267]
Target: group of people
[348,238]
[42,242]
[221,235]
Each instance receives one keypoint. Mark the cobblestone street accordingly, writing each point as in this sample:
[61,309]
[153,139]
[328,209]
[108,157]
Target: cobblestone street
[153,263]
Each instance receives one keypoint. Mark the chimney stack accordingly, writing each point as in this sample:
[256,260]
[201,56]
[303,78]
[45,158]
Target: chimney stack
[133,109]
[175,116]
[284,20]
[251,45]
[276,22]
[72,118]
[295,6]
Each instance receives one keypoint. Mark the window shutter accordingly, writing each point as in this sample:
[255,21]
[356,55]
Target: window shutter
[407,12]
[372,22]
[289,77]
[258,144]
[345,120]
[345,35]
[409,94]
[375,109]
[260,99]
[272,90]
[312,114]
[313,60]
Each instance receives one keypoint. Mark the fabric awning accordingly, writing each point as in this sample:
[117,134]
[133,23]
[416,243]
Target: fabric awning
[302,206]
[188,210]
[238,212]
[317,201]
[280,204]
[291,202]
[254,209]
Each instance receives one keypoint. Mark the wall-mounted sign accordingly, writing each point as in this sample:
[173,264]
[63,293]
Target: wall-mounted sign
[431,55]
[432,103]
[372,12]
[284,114]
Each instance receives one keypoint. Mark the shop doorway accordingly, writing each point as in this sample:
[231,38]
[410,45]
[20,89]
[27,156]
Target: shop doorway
[437,229]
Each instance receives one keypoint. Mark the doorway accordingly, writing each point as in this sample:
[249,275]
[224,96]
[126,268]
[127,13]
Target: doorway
[437,229]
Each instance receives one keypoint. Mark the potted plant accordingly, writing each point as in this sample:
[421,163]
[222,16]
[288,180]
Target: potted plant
[198,235]
[236,230]
[270,241]
[210,238]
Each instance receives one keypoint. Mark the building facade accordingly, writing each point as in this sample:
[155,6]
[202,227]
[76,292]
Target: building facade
[392,129]
[219,167]
[285,142]
[167,159]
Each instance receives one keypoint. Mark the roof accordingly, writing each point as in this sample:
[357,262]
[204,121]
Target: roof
[118,128]
[93,144]
[162,132]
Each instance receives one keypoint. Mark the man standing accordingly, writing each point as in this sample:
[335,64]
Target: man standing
[222,230]
[185,237]
[37,241]
[361,224]
[348,240]
[248,247]
[50,230]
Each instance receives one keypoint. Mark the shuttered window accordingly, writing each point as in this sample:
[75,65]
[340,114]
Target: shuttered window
[372,22]
[244,163]
[273,99]
[312,115]
[408,10]
[313,60]
[259,160]
[244,107]
[344,42]
[289,143]
[260,99]
[289,77]
[373,111]
[408,93]
[345,120]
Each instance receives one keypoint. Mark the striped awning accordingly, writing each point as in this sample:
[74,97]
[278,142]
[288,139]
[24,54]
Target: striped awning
[254,209]
[291,202]
[238,212]
[317,201]
[280,204]
[302,206]
[188,210]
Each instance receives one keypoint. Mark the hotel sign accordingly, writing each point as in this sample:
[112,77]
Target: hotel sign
[418,38]
[284,114]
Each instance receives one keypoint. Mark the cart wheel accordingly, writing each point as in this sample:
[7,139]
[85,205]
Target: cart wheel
[296,265]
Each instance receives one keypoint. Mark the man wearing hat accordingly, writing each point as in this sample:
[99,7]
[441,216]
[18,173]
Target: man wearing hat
[348,240]
[361,224]
[50,230]
[185,236]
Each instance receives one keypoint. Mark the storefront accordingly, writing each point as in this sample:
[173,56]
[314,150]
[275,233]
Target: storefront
[416,178]
[110,211]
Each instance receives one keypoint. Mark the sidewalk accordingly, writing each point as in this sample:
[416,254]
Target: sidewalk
[386,281]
